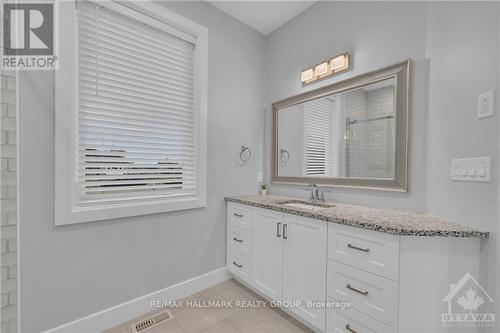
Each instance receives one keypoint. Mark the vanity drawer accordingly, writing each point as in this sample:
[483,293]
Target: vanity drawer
[238,264]
[372,295]
[239,215]
[372,251]
[352,321]
[239,240]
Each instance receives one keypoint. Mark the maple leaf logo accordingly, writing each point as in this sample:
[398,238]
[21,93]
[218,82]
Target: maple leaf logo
[470,301]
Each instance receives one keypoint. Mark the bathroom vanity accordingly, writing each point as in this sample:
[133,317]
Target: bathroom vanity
[393,268]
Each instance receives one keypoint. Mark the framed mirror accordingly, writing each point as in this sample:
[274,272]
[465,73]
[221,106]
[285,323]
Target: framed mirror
[353,133]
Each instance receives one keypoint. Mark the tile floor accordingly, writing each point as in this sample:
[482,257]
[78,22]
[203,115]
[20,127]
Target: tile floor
[223,320]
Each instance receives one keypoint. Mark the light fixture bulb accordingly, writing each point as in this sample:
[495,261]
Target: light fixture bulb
[339,63]
[307,75]
[321,69]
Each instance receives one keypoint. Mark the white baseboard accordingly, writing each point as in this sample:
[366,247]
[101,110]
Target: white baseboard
[121,313]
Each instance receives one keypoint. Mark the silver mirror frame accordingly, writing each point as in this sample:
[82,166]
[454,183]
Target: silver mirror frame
[401,73]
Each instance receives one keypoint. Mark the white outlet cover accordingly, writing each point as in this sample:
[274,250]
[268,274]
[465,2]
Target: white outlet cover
[486,104]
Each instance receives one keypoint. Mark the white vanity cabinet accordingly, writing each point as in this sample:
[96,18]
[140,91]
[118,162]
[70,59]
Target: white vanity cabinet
[267,257]
[287,260]
[363,269]
[239,231]
[393,283]
[304,270]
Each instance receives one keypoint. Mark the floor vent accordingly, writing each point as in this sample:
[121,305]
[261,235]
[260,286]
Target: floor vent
[151,321]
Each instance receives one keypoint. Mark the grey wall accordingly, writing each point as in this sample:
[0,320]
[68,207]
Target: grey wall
[457,33]
[69,272]
[497,230]
[454,50]
[377,34]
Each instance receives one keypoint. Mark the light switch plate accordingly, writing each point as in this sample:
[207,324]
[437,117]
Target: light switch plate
[471,169]
[486,105]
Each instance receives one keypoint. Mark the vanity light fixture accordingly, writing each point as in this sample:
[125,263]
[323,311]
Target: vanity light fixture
[327,68]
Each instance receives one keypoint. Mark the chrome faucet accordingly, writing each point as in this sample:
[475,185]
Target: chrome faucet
[317,194]
[314,192]
[322,195]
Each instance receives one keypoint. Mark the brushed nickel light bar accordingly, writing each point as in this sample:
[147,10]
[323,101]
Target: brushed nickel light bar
[337,64]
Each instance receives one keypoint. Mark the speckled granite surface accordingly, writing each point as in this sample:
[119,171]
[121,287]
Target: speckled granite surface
[383,220]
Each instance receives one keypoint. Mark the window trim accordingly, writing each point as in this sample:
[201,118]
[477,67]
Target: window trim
[67,207]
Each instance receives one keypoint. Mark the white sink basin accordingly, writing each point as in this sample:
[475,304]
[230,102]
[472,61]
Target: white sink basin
[303,206]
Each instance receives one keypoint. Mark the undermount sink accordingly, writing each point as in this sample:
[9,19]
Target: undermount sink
[307,205]
[303,206]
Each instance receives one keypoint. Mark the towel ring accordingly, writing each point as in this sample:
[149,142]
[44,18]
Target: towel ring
[242,154]
[284,155]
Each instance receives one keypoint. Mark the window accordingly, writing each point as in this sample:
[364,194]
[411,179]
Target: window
[318,137]
[137,119]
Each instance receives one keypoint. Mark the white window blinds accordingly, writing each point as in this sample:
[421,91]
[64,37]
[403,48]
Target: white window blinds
[135,107]
[318,135]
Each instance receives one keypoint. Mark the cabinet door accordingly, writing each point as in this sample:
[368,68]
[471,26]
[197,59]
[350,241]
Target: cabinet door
[267,252]
[304,266]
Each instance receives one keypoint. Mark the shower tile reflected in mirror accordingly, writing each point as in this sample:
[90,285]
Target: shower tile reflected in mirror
[350,134]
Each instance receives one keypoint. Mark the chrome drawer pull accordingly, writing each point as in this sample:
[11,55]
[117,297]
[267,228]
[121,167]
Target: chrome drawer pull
[238,240]
[365,293]
[357,248]
[348,327]
[285,231]
[278,227]
[238,215]
[237,265]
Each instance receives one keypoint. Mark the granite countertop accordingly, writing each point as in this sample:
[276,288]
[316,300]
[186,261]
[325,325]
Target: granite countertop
[383,220]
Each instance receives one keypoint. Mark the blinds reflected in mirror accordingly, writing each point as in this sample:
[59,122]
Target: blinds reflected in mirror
[318,128]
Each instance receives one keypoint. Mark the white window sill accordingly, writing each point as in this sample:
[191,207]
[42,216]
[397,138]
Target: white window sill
[128,209]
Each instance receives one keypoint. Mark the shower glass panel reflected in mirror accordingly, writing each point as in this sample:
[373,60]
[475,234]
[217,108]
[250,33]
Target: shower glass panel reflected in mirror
[349,134]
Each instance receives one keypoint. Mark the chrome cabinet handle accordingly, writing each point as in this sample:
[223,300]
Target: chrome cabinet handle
[238,240]
[278,227]
[357,248]
[237,265]
[285,231]
[238,215]
[365,293]
[348,327]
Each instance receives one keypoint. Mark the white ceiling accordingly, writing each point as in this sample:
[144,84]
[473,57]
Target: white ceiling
[263,16]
